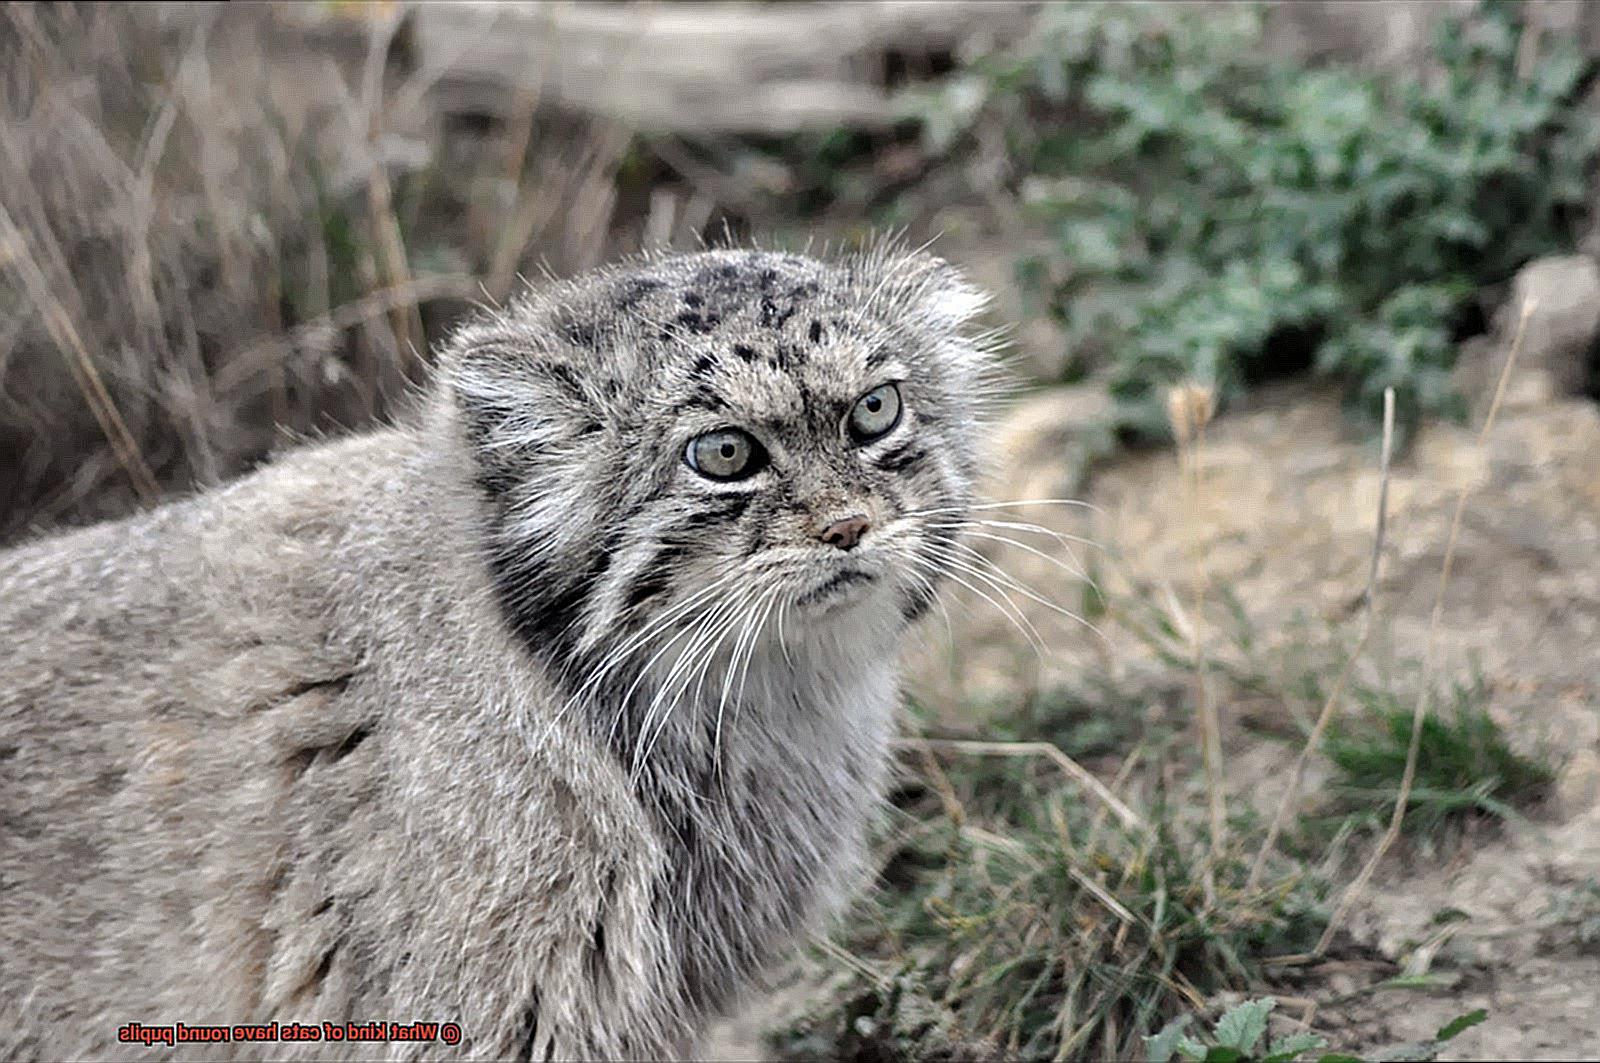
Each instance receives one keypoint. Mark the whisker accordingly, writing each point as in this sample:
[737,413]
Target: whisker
[933,596]
[985,506]
[1037,529]
[774,598]
[686,669]
[619,654]
[694,633]
[1076,573]
[989,581]
[1019,620]
[687,631]
[1013,583]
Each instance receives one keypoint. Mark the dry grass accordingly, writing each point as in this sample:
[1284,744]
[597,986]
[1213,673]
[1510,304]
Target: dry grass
[212,239]
[1280,816]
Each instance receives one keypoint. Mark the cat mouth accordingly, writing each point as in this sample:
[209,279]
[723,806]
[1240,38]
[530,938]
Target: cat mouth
[836,585]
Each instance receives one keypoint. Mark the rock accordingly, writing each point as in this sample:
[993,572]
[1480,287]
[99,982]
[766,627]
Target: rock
[1578,788]
[1565,320]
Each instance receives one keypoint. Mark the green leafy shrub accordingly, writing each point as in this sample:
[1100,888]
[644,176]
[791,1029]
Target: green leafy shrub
[1221,214]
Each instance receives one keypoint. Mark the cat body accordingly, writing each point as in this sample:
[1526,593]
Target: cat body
[526,715]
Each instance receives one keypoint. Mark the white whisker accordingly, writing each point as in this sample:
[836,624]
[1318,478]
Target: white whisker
[1014,584]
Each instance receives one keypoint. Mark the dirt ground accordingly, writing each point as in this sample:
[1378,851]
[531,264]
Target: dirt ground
[1284,520]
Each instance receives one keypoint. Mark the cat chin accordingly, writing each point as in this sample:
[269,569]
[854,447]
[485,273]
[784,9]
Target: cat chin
[842,588]
[862,621]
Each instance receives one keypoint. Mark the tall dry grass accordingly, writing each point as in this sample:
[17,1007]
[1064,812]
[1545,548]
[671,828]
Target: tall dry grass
[214,238]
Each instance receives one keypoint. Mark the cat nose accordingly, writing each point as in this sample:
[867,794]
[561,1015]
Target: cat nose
[845,533]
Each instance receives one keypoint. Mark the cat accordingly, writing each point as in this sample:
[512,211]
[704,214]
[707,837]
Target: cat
[553,714]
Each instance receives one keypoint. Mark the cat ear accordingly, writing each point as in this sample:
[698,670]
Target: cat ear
[940,294]
[520,405]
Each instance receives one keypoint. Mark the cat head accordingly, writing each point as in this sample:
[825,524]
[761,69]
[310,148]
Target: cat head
[722,441]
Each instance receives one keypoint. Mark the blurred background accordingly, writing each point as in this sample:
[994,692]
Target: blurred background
[1154,744]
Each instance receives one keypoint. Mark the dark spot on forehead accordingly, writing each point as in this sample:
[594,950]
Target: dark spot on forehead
[692,299]
[704,364]
[632,290]
[699,324]
[845,327]
[788,356]
[879,356]
[816,331]
[773,316]
[745,351]
[703,397]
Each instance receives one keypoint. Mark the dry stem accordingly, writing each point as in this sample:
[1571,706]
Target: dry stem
[1189,408]
[1297,776]
[14,252]
[1424,696]
[1077,772]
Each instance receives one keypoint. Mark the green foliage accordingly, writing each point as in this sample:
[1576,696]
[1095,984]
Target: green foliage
[1220,214]
[1239,1036]
[1465,765]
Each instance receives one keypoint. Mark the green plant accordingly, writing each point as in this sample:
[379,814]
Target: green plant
[1465,764]
[1240,1036]
[1220,214]
[1237,1035]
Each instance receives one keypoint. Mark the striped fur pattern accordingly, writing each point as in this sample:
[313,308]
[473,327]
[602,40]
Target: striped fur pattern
[507,715]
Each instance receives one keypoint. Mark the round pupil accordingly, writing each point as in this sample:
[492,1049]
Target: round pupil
[727,449]
[874,403]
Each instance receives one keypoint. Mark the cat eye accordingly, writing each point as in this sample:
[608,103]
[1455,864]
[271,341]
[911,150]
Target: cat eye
[875,413]
[726,454]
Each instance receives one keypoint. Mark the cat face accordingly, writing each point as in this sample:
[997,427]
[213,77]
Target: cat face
[723,444]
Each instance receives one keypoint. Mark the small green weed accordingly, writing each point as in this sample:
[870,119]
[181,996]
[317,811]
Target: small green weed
[1240,1036]
[1465,764]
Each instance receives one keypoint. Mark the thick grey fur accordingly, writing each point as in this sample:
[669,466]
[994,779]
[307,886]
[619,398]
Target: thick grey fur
[383,732]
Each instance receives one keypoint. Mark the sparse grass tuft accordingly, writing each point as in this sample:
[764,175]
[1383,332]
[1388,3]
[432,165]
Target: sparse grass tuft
[1466,766]
[1031,921]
